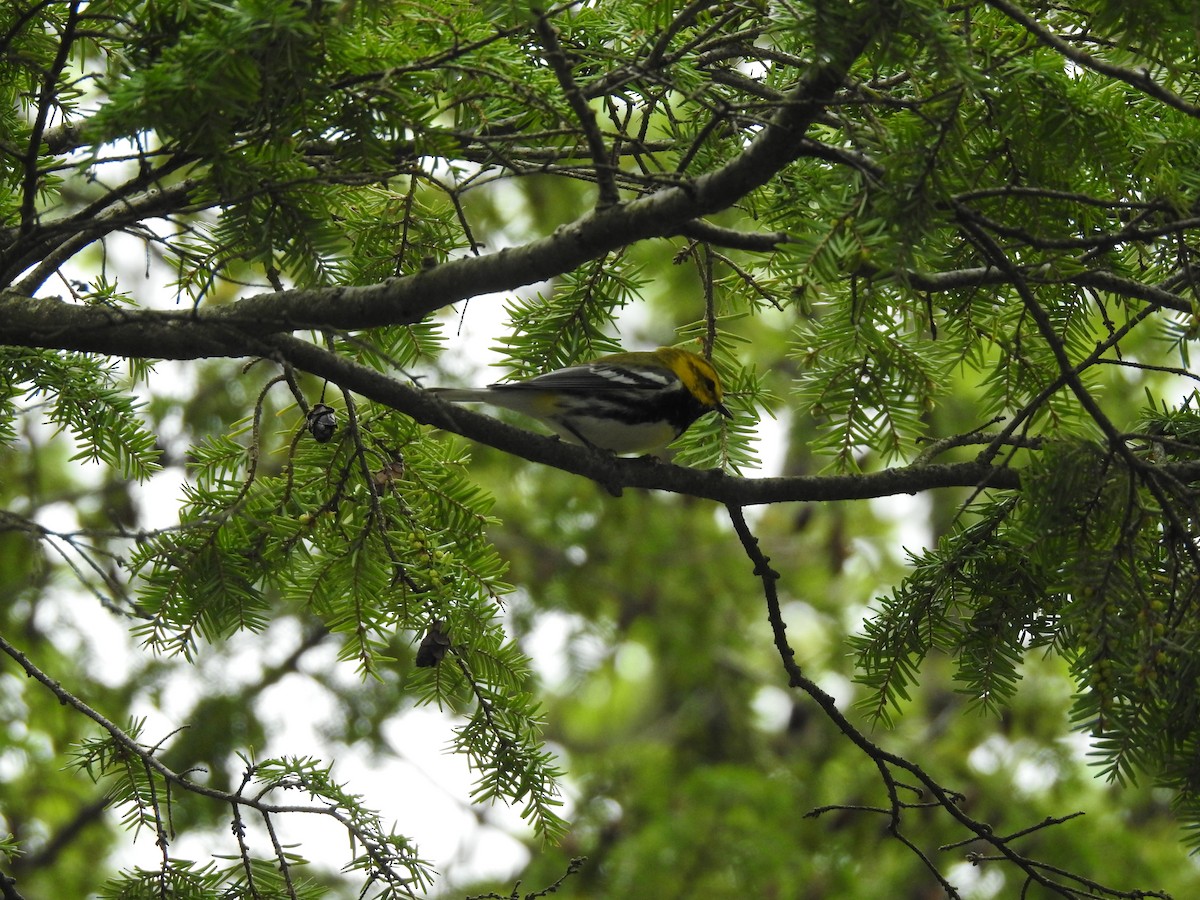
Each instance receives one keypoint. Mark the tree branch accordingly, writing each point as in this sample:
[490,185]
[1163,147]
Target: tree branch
[601,158]
[755,242]
[409,299]
[1100,279]
[8,888]
[177,337]
[29,185]
[1034,870]
[617,473]
[1137,79]
[1149,473]
[147,756]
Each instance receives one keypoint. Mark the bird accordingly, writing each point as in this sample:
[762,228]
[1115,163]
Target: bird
[634,402]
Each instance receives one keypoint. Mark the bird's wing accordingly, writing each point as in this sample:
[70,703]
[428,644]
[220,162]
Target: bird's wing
[595,377]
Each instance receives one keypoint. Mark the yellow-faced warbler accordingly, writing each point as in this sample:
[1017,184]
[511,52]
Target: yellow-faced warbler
[623,403]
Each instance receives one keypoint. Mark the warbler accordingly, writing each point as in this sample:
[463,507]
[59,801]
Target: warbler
[623,403]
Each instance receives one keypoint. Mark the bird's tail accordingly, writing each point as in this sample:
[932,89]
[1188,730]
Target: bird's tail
[463,395]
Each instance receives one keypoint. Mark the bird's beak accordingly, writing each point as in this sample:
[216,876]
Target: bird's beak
[724,410]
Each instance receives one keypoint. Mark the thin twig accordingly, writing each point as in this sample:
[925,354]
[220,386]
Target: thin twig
[153,764]
[797,679]
[281,855]
[1151,476]
[8,888]
[29,186]
[601,157]
[950,801]
[1045,823]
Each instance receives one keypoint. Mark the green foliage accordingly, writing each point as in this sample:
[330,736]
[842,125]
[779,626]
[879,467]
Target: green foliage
[189,880]
[376,534]
[388,858]
[569,326]
[1088,563]
[866,369]
[83,395]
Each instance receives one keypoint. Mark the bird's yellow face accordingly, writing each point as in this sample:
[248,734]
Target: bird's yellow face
[696,373]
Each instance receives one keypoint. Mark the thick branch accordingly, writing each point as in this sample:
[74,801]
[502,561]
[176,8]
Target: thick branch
[615,473]
[178,338]
[410,299]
